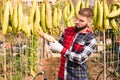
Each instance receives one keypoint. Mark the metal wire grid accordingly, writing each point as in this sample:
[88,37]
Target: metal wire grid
[106,62]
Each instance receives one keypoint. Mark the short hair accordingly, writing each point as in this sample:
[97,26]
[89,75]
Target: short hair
[87,12]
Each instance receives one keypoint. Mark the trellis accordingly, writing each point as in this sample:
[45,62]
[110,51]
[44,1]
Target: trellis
[19,55]
[106,58]
[9,70]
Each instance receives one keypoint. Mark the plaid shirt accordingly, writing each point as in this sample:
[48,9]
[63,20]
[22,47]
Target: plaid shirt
[73,62]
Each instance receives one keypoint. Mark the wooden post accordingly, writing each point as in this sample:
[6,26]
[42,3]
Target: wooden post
[4,49]
[104,51]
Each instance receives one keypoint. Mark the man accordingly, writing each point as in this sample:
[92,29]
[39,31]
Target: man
[76,45]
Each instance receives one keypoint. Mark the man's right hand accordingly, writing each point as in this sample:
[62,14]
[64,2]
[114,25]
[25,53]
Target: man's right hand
[49,37]
[46,36]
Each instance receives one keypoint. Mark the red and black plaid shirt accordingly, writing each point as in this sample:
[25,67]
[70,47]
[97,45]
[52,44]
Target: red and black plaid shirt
[67,40]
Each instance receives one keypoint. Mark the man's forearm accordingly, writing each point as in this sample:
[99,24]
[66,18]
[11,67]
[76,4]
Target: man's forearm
[83,55]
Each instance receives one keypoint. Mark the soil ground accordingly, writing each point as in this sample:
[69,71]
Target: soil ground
[51,67]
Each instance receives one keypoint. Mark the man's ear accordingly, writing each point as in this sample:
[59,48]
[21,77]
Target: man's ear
[89,20]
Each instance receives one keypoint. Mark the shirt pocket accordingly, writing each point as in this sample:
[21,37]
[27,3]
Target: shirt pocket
[78,46]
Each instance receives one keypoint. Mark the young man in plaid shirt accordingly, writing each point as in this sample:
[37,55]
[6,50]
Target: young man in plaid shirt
[76,45]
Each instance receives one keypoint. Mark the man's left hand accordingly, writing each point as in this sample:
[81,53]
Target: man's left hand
[55,46]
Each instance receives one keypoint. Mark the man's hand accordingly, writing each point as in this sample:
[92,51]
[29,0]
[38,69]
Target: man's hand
[55,46]
[49,37]
[46,36]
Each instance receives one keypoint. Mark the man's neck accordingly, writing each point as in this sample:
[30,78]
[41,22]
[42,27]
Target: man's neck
[85,30]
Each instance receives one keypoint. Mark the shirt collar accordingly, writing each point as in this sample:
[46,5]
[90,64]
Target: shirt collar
[87,30]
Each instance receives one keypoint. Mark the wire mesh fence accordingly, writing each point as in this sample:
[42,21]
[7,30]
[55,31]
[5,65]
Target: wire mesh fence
[19,56]
[105,63]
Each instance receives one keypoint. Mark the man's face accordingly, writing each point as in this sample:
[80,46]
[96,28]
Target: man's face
[81,22]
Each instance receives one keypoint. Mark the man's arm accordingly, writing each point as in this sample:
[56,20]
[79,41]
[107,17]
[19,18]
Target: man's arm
[84,54]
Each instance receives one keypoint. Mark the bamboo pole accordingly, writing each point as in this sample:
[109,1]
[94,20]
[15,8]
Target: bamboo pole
[104,51]
[4,49]
[26,54]
[11,61]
